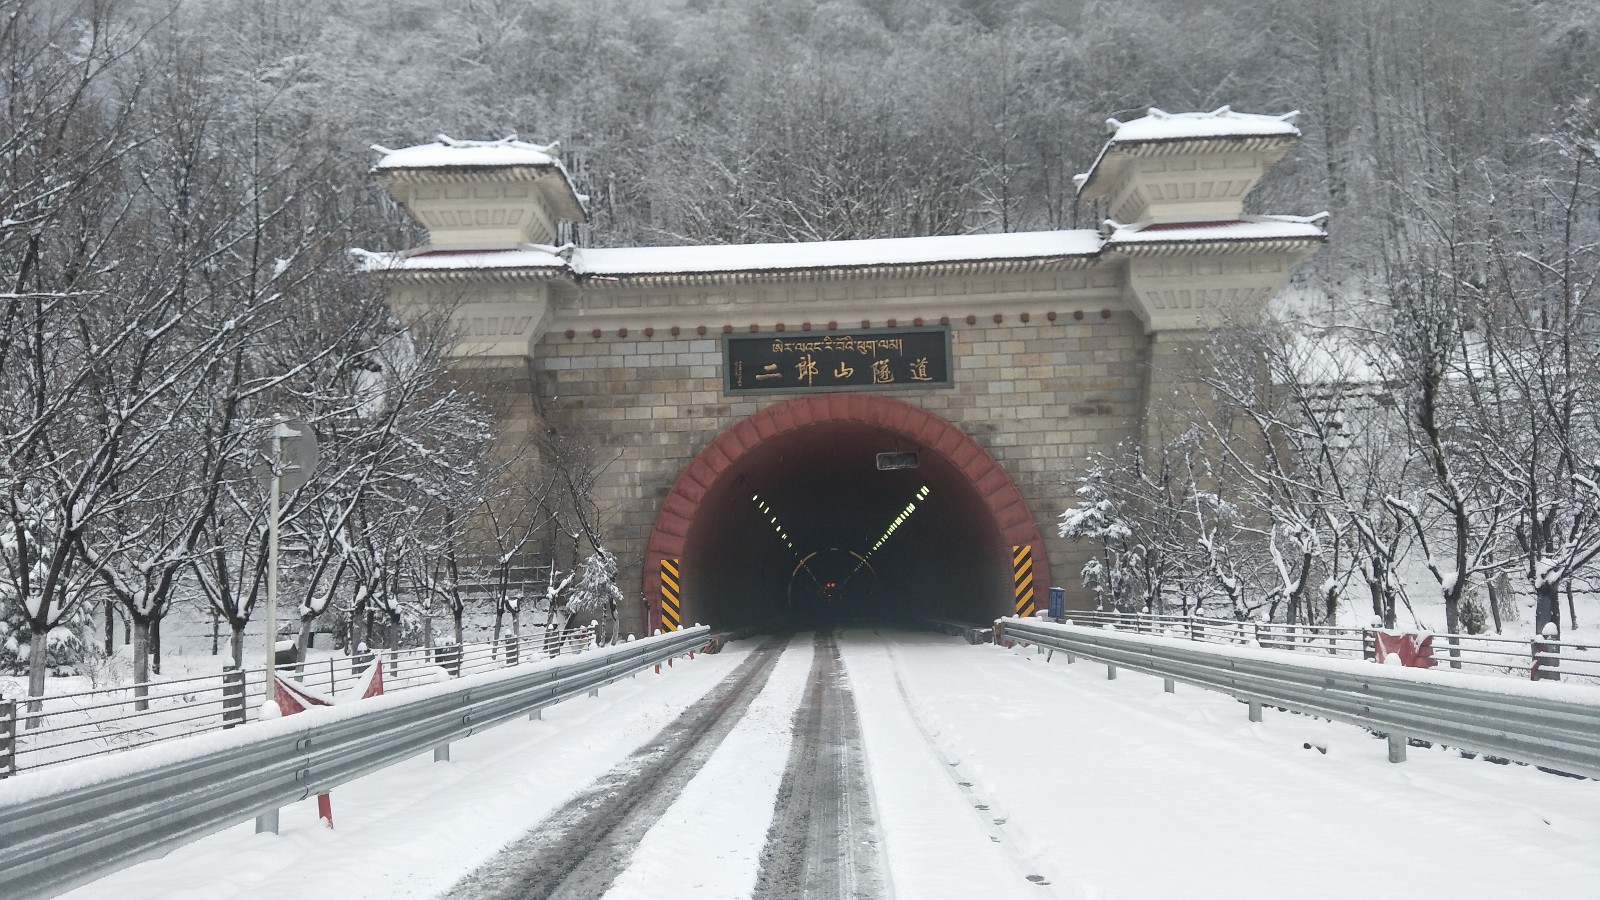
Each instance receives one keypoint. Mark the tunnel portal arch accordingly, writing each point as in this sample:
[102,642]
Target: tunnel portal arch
[792,450]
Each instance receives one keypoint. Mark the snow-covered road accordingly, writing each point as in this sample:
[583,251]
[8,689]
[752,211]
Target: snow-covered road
[989,773]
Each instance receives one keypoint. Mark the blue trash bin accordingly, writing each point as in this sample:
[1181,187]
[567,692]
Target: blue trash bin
[1058,602]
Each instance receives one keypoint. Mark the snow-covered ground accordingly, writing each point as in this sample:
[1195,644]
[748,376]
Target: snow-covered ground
[1103,789]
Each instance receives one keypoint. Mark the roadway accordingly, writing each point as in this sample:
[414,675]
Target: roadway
[872,762]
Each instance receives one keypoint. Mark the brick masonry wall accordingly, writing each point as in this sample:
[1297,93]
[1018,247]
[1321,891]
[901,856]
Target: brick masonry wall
[1038,396]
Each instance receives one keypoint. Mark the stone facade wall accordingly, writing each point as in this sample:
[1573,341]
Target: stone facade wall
[1037,395]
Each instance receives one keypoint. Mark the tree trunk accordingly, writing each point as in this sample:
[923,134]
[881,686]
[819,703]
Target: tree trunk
[236,641]
[155,645]
[38,660]
[456,615]
[141,662]
[111,627]
[1494,604]
[1548,607]
[303,641]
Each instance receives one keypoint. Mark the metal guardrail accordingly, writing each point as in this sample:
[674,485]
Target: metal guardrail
[82,822]
[61,728]
[972,634]
[1549,724]
[1493,654]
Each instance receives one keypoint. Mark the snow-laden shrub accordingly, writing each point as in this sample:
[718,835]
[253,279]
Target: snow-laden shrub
[595,588]
[66,649]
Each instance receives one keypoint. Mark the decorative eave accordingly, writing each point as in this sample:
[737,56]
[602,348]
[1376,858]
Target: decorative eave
[1216,245]
[474,276]
[1114,157]
[569,203]
[834,273]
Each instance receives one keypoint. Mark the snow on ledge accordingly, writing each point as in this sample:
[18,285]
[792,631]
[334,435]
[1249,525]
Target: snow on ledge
[1246,228]
[1222,122]
[427,259]
[836,254]
[448,152]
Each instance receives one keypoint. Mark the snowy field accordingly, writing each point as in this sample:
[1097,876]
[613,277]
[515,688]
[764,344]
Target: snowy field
[994,773]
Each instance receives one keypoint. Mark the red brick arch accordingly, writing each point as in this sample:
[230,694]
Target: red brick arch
[932,433]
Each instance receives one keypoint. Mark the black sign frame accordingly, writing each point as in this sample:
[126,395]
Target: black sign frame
[840,361]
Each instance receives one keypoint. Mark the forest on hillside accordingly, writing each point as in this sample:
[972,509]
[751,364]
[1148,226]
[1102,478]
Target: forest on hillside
[181,182]
[700,121]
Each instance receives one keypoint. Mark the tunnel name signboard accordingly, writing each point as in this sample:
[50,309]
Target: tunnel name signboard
[864,360]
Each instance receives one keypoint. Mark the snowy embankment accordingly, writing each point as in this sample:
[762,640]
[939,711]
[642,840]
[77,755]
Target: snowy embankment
[988,766]
[414,828]
[1115,789]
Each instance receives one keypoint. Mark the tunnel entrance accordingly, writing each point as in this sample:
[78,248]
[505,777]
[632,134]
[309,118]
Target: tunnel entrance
[790,517]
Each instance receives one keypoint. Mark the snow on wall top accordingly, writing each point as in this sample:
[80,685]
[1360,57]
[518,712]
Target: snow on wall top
[1222,122]
[836,254]
[1248,228]
[824,255]
[448,152]
[527,256]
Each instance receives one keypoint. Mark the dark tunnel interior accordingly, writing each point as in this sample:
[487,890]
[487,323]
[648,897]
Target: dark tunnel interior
[802,531]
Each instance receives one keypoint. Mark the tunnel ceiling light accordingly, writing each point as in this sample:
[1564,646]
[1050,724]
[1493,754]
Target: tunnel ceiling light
[900,519]
[777,527]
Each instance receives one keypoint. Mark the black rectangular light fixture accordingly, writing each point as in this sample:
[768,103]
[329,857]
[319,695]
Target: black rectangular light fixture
[899,459]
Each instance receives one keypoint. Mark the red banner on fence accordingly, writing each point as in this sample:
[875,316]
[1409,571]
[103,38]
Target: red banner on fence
[293,697]
[1408,648]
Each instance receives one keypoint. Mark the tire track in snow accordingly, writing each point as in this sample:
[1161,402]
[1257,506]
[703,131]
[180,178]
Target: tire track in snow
[582,847]
[823,843]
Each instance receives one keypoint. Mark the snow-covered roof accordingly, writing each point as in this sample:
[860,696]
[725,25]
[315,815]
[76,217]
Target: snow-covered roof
[1159,127]
[1223,122]
[823,256]
[1244,229]
[836,254]
[447,153]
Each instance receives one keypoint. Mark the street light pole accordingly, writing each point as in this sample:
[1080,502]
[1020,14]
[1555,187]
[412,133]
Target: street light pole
[274,506]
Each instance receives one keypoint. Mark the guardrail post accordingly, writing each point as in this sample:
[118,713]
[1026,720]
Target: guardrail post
[1368,648]
[1193,635]
[1255,710]
[267,822]
[8,738]
[232,696]
[1397,748]
[1111,672]
[441,753]
[537,715]
[1169,685]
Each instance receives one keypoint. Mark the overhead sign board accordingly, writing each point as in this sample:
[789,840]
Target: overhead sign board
[897,459]
[869,359]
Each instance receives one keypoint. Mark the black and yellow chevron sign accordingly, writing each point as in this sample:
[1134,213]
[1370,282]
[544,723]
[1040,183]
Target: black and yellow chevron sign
[1022,578]
[671,596]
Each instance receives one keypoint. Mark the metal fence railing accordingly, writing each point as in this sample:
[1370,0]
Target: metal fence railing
[59,728]
[1481,653]
[85,822]
[1555,725]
